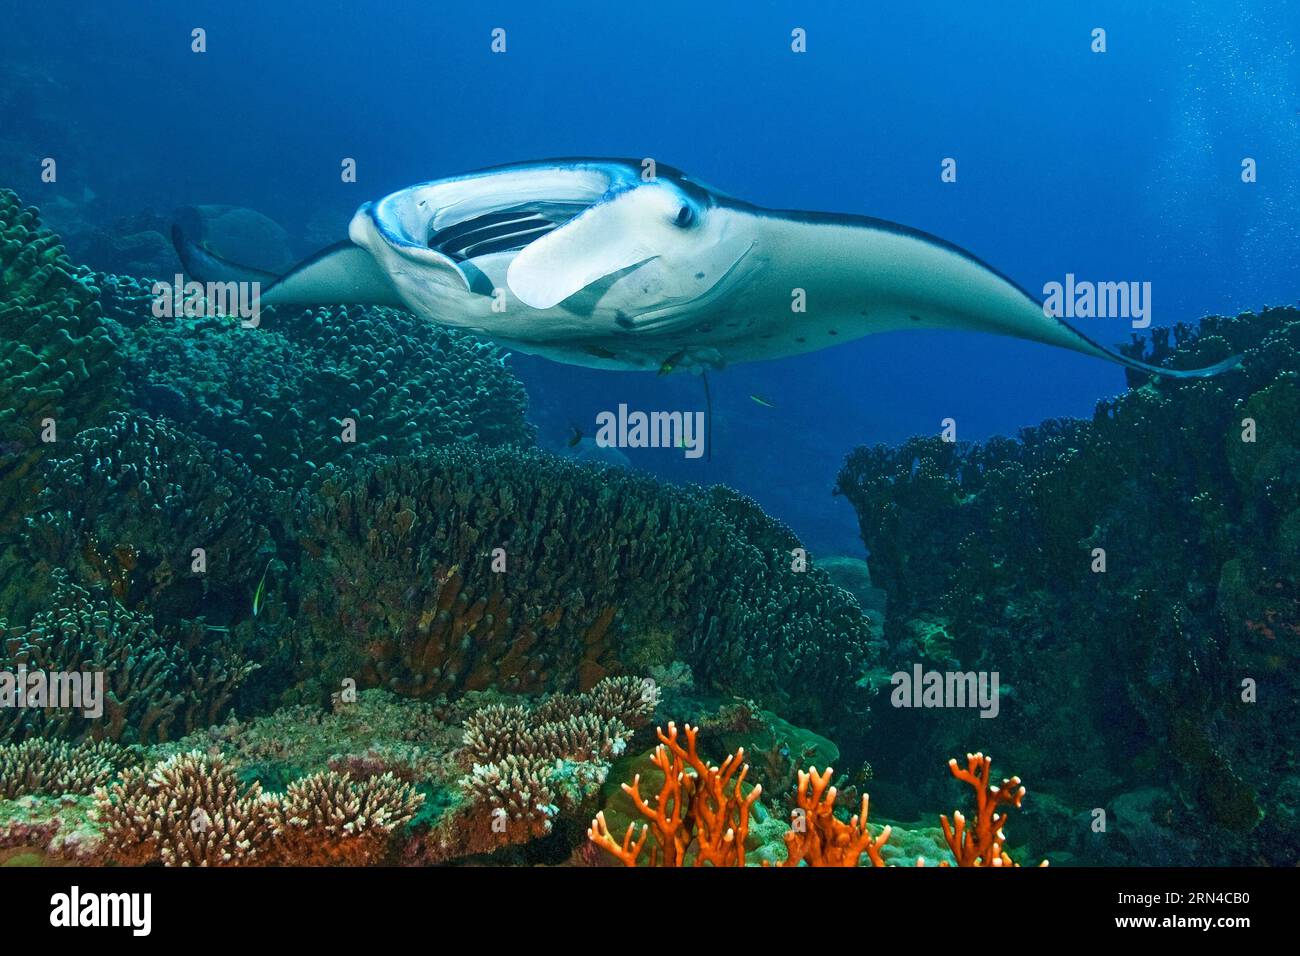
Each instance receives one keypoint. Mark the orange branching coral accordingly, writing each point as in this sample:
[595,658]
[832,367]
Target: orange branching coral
[817,838]
[698,805]
[984,847]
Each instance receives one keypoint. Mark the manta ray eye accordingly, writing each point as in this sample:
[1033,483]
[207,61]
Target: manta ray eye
[685,216]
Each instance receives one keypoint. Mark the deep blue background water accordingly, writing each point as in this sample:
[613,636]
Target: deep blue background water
[1115,166]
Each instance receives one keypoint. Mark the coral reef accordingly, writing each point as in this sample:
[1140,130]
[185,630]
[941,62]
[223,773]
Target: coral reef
[529,767]
[700,808]
[59,367]
[281,396]
[470,567]
[192,810]
[126,506]
[1124,575]
[51,767]
[701,813]
[153,685]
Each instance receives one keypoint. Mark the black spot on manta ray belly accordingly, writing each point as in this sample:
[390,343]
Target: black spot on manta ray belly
[699,275]
[915,318]
[800,338]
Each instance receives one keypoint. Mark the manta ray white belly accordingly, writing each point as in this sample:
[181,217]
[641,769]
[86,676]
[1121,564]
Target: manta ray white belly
[586,262]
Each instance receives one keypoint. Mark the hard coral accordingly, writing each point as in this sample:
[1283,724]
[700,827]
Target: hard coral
[58,361]
[593,560]
[983,847]
[330,818]
[126,505]
[51,767]
[817,838]
[153,687]
[700,808]
[278,395]
[189,810]
[529,767]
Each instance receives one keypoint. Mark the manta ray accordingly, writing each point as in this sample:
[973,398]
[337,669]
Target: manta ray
[596,262]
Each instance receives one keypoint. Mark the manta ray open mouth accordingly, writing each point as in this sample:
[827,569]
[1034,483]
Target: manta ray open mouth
[503,230]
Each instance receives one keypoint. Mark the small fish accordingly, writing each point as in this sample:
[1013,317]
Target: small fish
[451,573]
[575,437]
[760,400]
[671,361]
[260,594]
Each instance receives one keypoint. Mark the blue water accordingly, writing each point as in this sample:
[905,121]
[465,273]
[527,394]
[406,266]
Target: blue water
[1124,165]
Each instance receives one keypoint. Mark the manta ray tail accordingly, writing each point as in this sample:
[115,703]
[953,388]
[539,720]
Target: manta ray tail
[1101,351]
[341,274]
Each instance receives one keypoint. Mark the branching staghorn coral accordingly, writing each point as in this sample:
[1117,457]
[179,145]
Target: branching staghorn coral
[528,767]
[153,687]
[52,767]
[192,810]
[332,819]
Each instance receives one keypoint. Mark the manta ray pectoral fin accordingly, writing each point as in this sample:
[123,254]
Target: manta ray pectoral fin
[342,274]
[606,238]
